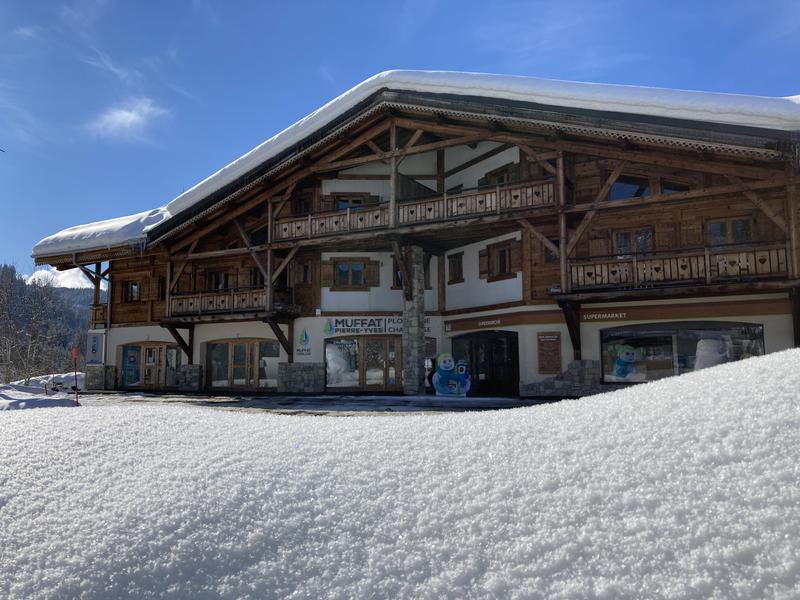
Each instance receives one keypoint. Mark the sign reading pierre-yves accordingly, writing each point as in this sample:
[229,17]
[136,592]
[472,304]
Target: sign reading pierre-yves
[367,325]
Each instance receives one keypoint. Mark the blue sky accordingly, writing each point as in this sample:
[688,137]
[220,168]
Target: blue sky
[110,107]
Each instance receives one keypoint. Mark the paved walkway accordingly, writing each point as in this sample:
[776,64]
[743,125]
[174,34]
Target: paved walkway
[316,405]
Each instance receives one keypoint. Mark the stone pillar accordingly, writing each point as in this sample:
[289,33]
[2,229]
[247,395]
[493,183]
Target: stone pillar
[190,378]
[414,325]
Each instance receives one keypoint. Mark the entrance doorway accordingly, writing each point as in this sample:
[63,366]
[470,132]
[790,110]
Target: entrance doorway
[150,365]
[493,358]
[364,363]
[247,364]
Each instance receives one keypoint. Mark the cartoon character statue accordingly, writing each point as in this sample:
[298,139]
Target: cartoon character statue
[449,380]
[625,365]
[710,352]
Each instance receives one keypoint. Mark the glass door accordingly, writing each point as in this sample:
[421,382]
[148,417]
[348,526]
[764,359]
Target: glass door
[240,365]
[152,355]
[375,363]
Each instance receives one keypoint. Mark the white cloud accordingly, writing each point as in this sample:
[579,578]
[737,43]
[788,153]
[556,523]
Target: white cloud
[73,278]
[103,61]
[27,31]
[128,120]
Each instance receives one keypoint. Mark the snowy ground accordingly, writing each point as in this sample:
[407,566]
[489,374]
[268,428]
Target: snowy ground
[686,487]
[17,395]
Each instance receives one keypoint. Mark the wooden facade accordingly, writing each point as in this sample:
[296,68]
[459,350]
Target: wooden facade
[623,210]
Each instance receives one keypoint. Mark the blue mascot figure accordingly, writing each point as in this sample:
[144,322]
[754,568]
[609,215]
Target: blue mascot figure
[625,365]
[449,380]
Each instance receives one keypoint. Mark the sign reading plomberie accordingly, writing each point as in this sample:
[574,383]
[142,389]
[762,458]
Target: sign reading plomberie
[367,325]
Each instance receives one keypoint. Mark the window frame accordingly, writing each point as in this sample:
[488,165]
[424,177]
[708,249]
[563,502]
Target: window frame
[349,287]
[729,233]
[225,279]
[457,258]
[366,200]
[128,297]
[494,252]
[634,245]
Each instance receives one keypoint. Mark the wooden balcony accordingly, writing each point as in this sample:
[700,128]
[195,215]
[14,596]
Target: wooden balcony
[449,207]
[718,264]
[97,315]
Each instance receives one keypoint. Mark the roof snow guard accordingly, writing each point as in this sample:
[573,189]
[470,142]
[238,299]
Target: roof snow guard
[775,114]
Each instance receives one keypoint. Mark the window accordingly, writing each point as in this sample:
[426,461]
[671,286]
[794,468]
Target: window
[627,186]
[729,231]
[397,274]
[242,363]
[217,280]
[349,275]
[672,187]
[301,206]
[353,201]
[256,278]
[162,288]
[653,351]
[633,241]
[500,261]
[499,176]
[455,268]
[131,291]
[551,257]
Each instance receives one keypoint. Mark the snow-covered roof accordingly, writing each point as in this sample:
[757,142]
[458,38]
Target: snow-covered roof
[781,114]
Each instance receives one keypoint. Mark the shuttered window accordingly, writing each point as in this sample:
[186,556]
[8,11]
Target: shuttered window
[455,268]
[502,260]
[350,274]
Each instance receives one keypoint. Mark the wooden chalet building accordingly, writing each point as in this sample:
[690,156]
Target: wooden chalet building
[558,236]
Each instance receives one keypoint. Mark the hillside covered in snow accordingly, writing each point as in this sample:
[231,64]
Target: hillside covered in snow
[683,488]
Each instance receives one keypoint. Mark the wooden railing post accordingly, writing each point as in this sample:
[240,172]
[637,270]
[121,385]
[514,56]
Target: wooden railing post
[497,198]
[392,177]
[562,223]
[707,258]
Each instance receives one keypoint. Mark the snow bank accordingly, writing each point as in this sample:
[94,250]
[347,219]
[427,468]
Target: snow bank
[734,109]
[683,488]
[16,397]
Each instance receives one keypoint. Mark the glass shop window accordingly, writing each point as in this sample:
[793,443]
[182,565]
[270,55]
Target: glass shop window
[341,363]
[648,352]
[218,364]
[268,354]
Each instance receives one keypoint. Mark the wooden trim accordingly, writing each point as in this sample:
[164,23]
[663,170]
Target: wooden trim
[601,195]
[540,236]
[400,259]
[285,343]
[484,308]
[441,287]
[284,263]
[478,159]
[754,198]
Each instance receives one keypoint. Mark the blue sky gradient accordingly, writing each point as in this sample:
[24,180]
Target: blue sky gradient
[109,108]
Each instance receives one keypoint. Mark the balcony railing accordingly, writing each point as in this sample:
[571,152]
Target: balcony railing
[474,203]
[222,302]
[717,264]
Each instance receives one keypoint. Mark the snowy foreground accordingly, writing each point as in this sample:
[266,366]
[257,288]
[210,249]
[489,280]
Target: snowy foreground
[687,487]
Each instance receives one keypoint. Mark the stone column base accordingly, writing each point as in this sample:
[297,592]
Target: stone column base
[100,377]
[301,378]
[190,378]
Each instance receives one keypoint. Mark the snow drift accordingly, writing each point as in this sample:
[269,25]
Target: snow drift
[683,488]
[781,114]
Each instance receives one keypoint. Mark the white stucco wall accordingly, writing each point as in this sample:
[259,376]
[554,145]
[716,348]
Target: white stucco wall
[209,332]
[120,336]
[475,292]
[382,298]
[469,177]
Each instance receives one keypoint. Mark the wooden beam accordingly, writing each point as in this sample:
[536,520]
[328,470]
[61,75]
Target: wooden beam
[182,267]
[539,157]
[670,198]
[185,346]
[282,340]
[754,198]
[792,207]
[601,195]
[284,263]
[478,159]
[562,224]
[594,149]
[540,236]
[572,317]
[393,177]
[414,138]
[440,177]
[441,281]
[404,271]
[251,250]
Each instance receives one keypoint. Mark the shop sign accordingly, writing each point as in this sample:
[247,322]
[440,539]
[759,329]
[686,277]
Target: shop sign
[367,325]
[604,316]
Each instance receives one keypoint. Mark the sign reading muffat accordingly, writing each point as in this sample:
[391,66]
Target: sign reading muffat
[367,325]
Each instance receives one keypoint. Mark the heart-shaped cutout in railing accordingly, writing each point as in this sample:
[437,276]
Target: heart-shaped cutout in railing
[762,259]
